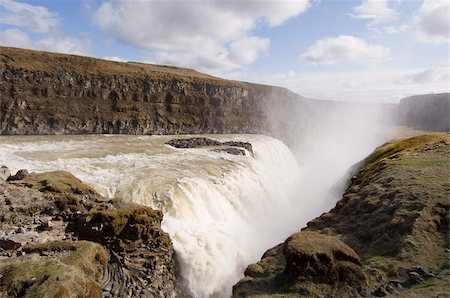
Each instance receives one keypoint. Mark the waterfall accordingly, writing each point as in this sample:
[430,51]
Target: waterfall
[222,211]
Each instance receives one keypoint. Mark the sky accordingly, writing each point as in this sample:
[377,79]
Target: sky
[361,50]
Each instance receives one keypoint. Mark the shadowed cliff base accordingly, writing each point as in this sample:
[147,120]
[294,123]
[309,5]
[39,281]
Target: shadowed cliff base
[394,215]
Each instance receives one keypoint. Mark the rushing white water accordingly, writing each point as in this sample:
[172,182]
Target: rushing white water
[222,211]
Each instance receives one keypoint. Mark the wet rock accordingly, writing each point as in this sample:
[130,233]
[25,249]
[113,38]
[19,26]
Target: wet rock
[233,151]
[21,174]
[234,147]
[193,143]
[247,146]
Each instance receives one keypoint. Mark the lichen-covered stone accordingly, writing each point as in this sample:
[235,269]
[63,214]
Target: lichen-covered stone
[322,258]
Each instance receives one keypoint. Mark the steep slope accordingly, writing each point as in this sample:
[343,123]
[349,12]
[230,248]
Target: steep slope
[394,215]
[48,93]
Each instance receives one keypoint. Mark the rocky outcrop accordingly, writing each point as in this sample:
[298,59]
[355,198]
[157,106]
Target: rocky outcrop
[60,238]
[425,112]
[307,264]
[389,234]
[48,93]
[230,147]
[322,259]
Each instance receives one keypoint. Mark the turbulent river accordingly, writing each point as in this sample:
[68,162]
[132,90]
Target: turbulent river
[222,211]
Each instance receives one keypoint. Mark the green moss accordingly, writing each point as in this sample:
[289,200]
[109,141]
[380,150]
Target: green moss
[398,146]
[386,265]
[69,276]
[50,246]
[58,182]
[115,220]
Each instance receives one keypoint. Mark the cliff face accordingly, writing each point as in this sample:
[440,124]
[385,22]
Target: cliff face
[47,93]
[389,234]
[426,112]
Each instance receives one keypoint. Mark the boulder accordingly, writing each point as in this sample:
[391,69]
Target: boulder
[21,174]
[321,258]
[234,147]
[193,143]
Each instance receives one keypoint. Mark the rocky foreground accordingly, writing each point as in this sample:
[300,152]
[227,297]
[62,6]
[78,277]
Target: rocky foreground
[387,236]
[60,238]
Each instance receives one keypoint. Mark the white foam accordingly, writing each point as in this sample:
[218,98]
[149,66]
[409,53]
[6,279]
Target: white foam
[222,211]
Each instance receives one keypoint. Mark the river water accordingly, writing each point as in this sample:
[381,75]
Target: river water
[222,211]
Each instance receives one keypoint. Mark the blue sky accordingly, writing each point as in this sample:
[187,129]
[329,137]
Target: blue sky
[362,50]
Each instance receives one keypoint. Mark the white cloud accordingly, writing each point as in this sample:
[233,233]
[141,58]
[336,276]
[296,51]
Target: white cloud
[332,50]
[211,35]
[376,11]
[32,17]
[246,50]
[42,22]
[114,58]
[55,43]
[433,75]
[432,24]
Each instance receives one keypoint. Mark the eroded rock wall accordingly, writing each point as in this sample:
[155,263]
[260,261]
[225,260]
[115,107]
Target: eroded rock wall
[46,93]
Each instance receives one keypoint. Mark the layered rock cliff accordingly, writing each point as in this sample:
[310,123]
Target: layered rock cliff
[388,235]
[48,93]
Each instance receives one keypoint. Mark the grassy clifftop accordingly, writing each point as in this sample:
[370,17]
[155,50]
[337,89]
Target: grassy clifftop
[52,62]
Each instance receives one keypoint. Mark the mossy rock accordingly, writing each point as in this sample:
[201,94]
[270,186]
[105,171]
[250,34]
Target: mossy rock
[64,187]
[322,258]
[58,182]
[131,223]
[115,220]
[72,275]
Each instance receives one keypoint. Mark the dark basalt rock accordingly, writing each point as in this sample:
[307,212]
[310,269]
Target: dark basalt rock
[206,142]
[21,174]
[233,151]
[193,143]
